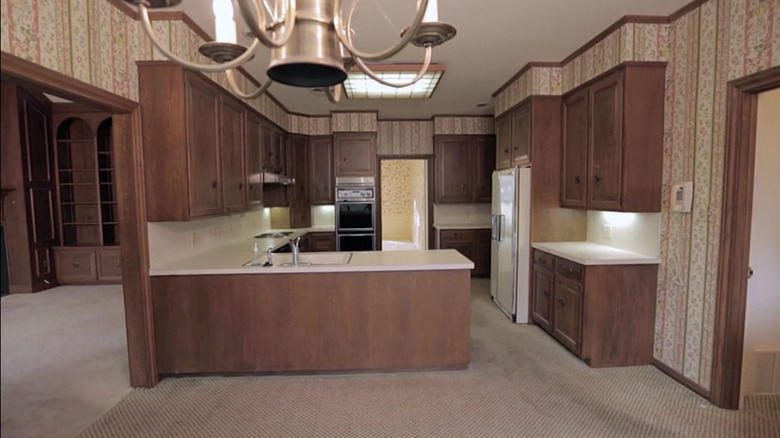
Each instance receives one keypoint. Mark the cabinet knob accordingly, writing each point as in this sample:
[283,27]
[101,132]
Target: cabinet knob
[213,184]
[463,186]
[344,159]
[562,302]
[251,186]
[577,179]
[76,264]
[546,293]
[597,177]
[506,151]
[240,185]
[118,264]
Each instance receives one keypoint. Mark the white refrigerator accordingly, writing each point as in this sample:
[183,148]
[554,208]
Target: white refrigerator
[511,242]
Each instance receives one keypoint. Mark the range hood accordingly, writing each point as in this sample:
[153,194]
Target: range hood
[276,178]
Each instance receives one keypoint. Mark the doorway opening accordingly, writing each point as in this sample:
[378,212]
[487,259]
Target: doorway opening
[404,204]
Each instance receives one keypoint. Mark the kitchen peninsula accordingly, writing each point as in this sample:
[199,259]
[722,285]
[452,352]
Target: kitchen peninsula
[380,311]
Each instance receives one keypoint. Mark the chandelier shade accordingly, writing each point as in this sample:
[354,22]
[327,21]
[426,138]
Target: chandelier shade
[311,41]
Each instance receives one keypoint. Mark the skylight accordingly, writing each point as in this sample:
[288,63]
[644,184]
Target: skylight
[359,86]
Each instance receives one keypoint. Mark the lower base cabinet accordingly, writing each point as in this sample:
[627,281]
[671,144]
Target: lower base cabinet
[322,241]
[605,314]
[472,243]
[87,264]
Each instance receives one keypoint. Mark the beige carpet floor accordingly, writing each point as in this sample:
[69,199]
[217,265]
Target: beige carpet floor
[520,383]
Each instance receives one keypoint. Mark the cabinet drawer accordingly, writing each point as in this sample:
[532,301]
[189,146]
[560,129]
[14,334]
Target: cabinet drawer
[543,259]
[456,236]
[75,266]
[569,269]
[109,265]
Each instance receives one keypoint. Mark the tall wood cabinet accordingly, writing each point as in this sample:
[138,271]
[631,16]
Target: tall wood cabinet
[253,154]
[321,183]
[613,140]
[193,144]
[463,168]
[89,227]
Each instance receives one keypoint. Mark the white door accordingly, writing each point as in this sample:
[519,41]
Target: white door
[761,358]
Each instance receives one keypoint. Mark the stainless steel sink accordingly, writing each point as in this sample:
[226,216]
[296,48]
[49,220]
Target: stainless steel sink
[285,260]
[277,235]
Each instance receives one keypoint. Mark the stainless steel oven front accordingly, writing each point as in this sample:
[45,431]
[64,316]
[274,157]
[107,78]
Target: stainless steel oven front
[355,214]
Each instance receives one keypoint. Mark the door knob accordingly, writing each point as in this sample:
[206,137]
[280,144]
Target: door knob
[750,272]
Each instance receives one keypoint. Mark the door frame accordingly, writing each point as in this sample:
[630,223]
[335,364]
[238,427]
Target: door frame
[131,204]
[739,169]
[429,182]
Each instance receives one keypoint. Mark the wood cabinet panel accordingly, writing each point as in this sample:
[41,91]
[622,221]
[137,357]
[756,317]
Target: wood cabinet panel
[567,313]
[75,265]
[354,154]
[300,216]
[482,253]
[298,166]
[521,136]
[272,149]
[321,183]
[109,265]
[231,126]
[483,180]
[323,241]
[253,152]
[542,297]
[504,142]
[202,145]
[463,168]
[474,244]
[613,140]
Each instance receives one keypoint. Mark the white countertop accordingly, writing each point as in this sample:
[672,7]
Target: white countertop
[461,226]
[230,258]
[588,253]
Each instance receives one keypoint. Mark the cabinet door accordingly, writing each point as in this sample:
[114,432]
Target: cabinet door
[300,216]
[253,154]
[321,191]
[75,265]
[482,253]
[109,265]
[521,135]
[605,156]
[567,313]
[323,242]
[231,126]
[542,296]
[299,169]
[485,158]
[504,142]
[354,154]
[575,149]
[202,147]
[454,170]
[270,149]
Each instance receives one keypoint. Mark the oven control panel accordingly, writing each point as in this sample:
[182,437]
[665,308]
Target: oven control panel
[355,194]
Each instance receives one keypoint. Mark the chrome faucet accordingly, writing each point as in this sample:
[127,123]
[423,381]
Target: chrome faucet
[269,256]
[295,253]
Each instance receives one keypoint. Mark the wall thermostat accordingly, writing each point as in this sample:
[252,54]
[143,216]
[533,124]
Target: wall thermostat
[682,197]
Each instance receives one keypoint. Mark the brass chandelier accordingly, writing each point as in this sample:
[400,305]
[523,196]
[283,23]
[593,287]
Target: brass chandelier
[311,41]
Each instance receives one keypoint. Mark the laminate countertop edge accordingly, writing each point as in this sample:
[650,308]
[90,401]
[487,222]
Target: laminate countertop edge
[589,253]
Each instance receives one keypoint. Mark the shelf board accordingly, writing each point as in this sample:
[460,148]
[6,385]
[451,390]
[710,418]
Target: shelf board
[79,203]
[77,184]
[91,170]
[80,224]
[89,141]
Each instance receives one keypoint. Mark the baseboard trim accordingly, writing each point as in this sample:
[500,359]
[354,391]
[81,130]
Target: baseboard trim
[688,383]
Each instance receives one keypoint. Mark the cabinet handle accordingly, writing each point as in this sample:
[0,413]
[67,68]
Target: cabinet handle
[76,264]
[251,186]
[577,179]
[463,186]
[345,159]
[213,184]
[506,151]
[45,264]
[240,185]
[597,177]
[118,264]
[562,302]
[546,293]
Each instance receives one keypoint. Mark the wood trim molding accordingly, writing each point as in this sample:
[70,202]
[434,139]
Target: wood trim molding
[628,19]
[685,9]
[688,383]
[180,16]
[124,8]
[30,74]
[731,298]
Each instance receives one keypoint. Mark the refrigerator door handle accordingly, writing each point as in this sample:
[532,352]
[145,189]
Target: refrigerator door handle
[499,226]
[492,227]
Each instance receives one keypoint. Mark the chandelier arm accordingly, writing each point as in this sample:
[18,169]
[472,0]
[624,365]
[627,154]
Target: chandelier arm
[208,68]
[237,91]
[344,34]
[256,26]
[367,70]
[334,93]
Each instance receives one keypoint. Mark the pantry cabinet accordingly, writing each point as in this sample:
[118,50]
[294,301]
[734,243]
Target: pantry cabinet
[613,140]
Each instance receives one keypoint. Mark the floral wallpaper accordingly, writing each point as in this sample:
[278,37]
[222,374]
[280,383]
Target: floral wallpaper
[305,125]
[403,188]
[462,125]
[353,122]
[536,80]
[405,137]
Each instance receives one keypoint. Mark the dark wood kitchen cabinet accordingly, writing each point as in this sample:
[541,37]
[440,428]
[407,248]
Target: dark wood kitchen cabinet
[463,168]
[323,241]
[193,140]
[273,141]
[354,154]
[253,153]
[613,140]
[513,137]
[321,183]
[298,168]
[605,314]
[472,243]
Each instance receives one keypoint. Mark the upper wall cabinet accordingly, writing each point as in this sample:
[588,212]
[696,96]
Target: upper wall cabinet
[354,154]
[193,144]
[463,168]
[513,137]
[253,159]
[613,140]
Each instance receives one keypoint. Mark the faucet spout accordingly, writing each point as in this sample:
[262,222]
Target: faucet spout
[295,251]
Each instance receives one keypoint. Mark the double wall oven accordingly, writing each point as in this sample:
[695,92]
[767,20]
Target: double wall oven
[355,214]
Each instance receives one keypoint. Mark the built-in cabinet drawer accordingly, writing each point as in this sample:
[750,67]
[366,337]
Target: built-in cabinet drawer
[84,265]
[605,314]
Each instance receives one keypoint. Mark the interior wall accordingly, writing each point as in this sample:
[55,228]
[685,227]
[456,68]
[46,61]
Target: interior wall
[636,232]
[397,200]
[462,214]
[762,325]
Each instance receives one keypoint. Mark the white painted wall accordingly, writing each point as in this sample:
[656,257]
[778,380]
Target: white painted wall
[637,232]
[762,322]
[323,217]
[169,241]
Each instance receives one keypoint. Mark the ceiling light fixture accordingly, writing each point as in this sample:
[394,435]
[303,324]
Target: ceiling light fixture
[311,41]
[359,85]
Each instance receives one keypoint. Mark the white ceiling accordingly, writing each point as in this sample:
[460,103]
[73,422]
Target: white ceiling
[495,38]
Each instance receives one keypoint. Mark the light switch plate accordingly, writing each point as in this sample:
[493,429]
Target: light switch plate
[606,231]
